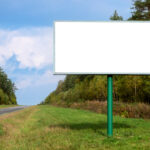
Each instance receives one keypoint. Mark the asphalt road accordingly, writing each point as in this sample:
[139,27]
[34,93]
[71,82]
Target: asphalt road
[11,109]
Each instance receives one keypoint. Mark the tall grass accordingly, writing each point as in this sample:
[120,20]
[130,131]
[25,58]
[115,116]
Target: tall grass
[127,110]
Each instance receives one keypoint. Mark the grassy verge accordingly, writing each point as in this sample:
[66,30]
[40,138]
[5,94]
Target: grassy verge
[127,110]
[6,106]
[52,128]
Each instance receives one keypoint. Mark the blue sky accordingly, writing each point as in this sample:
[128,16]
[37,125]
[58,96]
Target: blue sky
[26,40]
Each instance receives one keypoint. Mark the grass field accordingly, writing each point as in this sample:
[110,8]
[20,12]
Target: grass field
[52,128]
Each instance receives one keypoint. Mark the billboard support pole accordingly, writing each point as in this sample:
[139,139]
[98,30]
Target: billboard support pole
[109,105]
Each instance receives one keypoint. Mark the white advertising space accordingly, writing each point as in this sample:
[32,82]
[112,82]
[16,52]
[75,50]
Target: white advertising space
[102,47]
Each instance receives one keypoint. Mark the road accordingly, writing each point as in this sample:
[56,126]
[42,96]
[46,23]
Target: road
[11,109]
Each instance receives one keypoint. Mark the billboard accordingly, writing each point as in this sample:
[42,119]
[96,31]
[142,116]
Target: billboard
[102,47]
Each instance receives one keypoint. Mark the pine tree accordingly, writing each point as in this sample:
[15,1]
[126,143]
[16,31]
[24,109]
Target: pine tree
[116,16]
[141,10]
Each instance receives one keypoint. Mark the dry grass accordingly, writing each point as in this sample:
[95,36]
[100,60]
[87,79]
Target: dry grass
[128,110]
[12,125]
[56,129]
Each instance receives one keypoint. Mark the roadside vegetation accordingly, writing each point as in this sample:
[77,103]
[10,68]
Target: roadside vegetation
[127,110]
[80,88]
[7,90]
[51,128]
[131,94]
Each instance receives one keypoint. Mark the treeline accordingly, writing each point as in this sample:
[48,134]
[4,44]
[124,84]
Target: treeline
[7,89]
[80,88]
[77,88]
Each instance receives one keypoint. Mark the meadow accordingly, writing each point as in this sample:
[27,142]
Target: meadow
[46,127]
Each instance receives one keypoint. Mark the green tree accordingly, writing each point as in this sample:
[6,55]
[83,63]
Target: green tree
[8,89]
[116,16]
[141,10]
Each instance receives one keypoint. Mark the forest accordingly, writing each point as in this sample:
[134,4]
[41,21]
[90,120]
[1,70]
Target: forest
[7,89]
[127,88]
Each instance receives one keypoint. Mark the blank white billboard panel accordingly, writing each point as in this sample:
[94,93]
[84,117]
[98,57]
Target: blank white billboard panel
[102,47]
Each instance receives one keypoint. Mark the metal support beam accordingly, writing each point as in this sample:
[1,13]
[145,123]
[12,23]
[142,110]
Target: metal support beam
[109,106]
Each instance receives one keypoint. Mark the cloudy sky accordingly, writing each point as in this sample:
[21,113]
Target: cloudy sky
[26,39]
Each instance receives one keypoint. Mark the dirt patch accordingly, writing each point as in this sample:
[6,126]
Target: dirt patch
[56,128]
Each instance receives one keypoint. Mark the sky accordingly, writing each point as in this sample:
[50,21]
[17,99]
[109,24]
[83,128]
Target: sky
[26,39]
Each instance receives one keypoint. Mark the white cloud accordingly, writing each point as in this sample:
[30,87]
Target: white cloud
[31,46]
[32,49]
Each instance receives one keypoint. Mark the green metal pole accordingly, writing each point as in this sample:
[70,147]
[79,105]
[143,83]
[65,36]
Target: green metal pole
[109,105]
